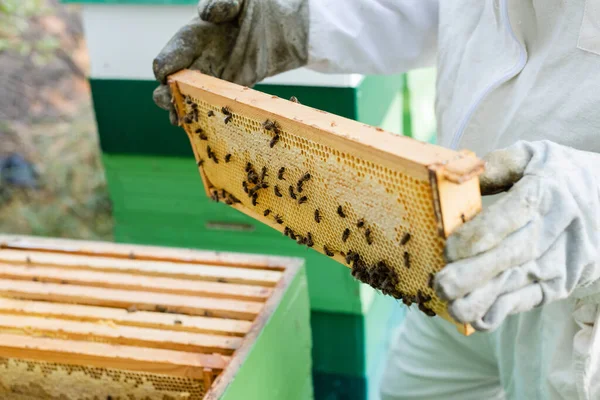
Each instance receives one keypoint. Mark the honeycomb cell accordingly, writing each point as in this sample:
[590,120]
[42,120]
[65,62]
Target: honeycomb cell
[390,202]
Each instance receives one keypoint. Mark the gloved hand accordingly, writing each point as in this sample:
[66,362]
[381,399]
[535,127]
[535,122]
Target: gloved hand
[537,244]
[242,41]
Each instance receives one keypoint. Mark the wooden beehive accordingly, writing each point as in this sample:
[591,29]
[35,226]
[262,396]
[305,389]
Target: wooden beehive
[380,203]
[89,320]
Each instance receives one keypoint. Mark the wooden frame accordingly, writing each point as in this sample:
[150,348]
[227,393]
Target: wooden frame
[74,308]
[451,176]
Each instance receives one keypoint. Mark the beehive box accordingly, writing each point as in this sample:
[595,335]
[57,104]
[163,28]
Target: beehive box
[85,320]
[381,203]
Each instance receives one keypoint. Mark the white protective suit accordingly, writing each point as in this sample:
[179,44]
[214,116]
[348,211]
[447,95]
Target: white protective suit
[508,70]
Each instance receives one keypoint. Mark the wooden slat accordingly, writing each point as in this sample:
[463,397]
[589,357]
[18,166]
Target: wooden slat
[103,355]
[144,252]
[115,334]
[135,282]
[208,307]
[144,319]
[158,268]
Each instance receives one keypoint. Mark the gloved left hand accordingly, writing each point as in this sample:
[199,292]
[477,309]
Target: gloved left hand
[537,244]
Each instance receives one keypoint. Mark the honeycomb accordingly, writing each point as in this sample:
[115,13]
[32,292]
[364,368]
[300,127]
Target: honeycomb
[39,380]
[375,218]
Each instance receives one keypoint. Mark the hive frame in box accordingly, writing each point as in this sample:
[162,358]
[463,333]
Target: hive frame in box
[448,179]
[45,280]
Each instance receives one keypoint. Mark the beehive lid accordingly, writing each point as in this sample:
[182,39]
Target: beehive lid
[379,203]
[127,321]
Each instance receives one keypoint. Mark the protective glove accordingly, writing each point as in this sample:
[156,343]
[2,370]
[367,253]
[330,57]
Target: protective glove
[538,243]
[242,41]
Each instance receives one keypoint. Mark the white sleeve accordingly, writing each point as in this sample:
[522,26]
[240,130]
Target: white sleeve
[372,36]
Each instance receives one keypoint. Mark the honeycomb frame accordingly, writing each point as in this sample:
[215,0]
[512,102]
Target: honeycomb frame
[379,203]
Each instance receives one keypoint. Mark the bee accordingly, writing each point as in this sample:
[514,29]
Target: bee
[277,192]
[286,231]
[278,219]
[302,200]
[360,223]
[131,257]
[382,265]
[301,240]
[203,136]
[274,140]
[234,199]
[131,309]
[463,218]
[368,236]
[187,99]
[305,177]
[200,162]
[294,99]
[428,311]
[227,119]
[248,167]
[199,130]
[423,298]
[210,113]
[268,125]
[245,186]
[263,185]
[227,158]
[407,301]
[263,174]
[405,239]
[225,110]
[292,235]
[406,259]
[195,106]
[292,194]
[317,216]
[161,309]
[431,280]
[340,212]
[309,240]
[228,201]
[253,177]
[267,212]
[280,173]
[177,322]
[188,119]
[327,251]
[214,195]
[352,257]
[345,235]
[254,199]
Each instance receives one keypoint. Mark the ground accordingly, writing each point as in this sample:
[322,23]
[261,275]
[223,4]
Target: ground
[46,116]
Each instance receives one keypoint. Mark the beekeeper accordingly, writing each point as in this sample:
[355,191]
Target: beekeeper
[521,76]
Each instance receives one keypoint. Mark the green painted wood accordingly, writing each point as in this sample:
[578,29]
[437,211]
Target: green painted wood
[279,363]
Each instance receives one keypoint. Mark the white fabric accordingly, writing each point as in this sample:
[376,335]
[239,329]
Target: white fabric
[508,70]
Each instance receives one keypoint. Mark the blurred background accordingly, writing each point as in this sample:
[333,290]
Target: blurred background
[51,178]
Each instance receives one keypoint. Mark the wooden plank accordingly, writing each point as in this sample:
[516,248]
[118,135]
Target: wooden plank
[154,268]
[207,307]
[143,252]
[115,334]
[103,355]
[144,319]
[135,282]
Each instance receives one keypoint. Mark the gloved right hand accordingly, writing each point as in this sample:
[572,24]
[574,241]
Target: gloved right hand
[242,41]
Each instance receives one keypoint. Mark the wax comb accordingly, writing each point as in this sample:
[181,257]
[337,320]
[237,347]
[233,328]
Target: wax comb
[381,204]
